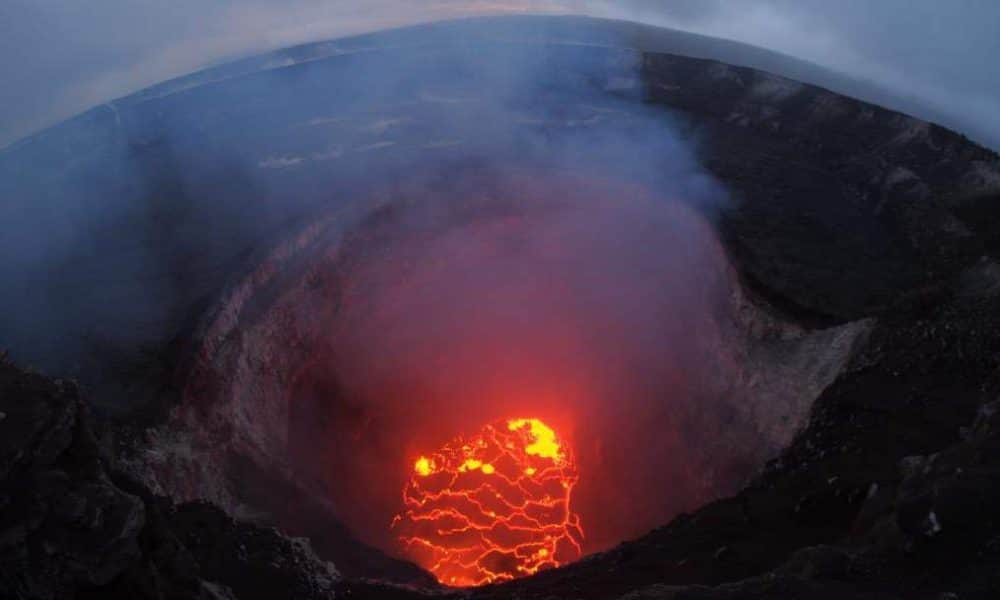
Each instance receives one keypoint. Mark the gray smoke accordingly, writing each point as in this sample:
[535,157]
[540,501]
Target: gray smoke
[59,58]
[588,288]
[125,224]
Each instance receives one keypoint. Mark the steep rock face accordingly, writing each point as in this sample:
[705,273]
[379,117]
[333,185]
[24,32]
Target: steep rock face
[850,478]
[938,537]
[844,205]
[253,562]
[64,524]
[890,492]
[70,527]
[235,408]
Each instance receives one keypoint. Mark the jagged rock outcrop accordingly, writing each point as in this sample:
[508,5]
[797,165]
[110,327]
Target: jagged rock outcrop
[64,524]
[939,536]
[72,527]
[890,492]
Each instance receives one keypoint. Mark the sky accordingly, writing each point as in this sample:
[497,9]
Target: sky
[60,57]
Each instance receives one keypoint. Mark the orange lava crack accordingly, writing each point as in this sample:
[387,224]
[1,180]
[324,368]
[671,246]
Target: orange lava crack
[493,507]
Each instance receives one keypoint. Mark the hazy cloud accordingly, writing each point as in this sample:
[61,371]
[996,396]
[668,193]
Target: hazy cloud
[943,53]
[59,57]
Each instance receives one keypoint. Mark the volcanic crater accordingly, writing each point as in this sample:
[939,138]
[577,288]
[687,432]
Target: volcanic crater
[673,271]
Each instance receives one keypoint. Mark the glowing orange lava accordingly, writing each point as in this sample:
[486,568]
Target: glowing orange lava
[492,507]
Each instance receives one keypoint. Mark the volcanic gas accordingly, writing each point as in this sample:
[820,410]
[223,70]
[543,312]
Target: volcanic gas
[493,506]
[598,320]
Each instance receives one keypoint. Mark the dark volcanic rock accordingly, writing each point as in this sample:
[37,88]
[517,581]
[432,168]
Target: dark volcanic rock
[891,491]
[898,465]
[845,204]
[70,528]
[63,524]
[255,562]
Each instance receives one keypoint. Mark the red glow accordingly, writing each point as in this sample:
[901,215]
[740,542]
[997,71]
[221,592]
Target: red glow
[584,303]
[492,507]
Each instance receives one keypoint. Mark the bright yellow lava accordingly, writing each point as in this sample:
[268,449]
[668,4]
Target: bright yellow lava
[544,444]
[492,507]
[470,465]
[424,466]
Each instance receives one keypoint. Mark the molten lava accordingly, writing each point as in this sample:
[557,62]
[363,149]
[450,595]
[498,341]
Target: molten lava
[492,507]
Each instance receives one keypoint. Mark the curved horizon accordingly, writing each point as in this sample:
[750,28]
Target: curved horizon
[646,37]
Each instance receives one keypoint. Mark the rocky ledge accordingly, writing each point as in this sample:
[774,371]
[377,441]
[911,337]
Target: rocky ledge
[892,491]
[72,526]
